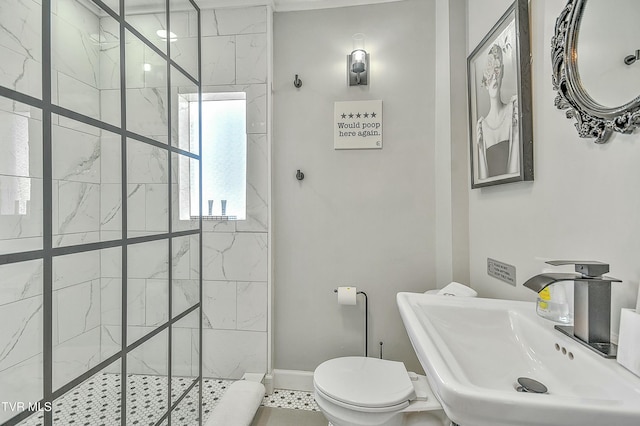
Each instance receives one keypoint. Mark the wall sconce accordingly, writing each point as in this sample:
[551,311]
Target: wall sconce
[358,63]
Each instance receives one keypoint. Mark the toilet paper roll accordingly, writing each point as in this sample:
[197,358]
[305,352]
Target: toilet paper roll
[347,295]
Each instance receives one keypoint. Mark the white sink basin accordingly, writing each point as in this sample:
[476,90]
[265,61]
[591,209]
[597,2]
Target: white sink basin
[473,351]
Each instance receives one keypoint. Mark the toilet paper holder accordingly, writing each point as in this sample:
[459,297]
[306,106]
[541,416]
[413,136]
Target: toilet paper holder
[366,320]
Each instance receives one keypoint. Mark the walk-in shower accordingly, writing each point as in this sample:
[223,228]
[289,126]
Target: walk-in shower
[100,279]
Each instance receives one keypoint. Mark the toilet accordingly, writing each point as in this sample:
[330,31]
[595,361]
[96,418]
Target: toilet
[363,391]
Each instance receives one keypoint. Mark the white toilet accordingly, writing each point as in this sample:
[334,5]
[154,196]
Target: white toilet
[360,391]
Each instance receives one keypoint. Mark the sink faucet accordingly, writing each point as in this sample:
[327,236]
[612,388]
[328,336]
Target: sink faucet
[592,303]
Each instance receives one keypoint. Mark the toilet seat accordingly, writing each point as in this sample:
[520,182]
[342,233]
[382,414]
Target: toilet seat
[389,409]
[365,384]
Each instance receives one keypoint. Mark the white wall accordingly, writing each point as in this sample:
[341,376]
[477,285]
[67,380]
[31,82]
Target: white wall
[235,58]
[364,218]
[583,203]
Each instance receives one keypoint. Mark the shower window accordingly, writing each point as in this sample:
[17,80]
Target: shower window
[224,150]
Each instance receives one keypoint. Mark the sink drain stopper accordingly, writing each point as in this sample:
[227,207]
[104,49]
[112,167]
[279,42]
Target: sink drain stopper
[530,386]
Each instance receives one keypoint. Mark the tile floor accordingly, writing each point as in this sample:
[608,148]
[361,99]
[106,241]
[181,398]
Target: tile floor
[96,402]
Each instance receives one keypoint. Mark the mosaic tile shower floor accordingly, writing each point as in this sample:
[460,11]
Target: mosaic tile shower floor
[96,401]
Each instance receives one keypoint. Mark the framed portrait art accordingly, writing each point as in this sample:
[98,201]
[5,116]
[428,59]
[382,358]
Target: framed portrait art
[500,122]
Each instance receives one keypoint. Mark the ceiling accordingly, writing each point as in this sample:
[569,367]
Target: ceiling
[145,6]
[288,5]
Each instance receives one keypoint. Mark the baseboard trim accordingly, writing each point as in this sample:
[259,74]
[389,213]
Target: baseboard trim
[293,380]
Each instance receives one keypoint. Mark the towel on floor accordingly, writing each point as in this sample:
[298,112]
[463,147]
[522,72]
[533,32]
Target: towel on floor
[238,405]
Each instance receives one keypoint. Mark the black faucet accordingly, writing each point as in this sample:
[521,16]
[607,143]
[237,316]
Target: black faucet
[592,303]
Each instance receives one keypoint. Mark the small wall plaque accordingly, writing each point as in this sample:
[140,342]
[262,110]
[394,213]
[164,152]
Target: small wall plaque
[501,271]
[358,125]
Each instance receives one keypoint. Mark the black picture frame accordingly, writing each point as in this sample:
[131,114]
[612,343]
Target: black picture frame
[499,91]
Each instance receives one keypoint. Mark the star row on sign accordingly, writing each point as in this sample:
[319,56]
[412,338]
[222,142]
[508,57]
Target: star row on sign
[359,115]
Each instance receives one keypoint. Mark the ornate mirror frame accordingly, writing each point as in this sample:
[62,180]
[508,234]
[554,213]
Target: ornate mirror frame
[592,119]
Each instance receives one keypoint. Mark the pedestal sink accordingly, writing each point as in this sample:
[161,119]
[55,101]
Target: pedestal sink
[474,350]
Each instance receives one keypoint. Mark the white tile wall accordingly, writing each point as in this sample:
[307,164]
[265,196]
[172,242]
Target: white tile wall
[252,306]
[109,54]
[22,382]
[78,309]
[234,21]
[111,301]
[20,46]
[149,24]
[156,304]
[235,58]
[21,332]
[87,201]
[237,257]
[185,295]
[230,354]
[136,298]
[257,185]
[218,60]
[185,53]
[251,58]
[20,162]
[20,281]
[75,268]
[76,356]
[151,357]
[219,305]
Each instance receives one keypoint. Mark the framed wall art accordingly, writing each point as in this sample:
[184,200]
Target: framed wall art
[500,121]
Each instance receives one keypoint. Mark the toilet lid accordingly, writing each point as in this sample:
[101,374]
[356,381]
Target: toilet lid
[364,382]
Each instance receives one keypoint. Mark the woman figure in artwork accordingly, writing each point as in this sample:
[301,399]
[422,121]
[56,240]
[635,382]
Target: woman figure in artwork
[498,141]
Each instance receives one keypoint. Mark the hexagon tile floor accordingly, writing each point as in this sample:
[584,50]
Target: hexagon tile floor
[96,402]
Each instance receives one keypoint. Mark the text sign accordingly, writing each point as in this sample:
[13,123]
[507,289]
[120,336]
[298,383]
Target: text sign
[501,271]
[358,125]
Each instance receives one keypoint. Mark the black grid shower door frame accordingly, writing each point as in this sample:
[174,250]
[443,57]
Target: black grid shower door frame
[48,252]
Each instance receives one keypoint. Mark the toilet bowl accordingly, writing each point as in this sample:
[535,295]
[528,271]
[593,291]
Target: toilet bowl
[361,391]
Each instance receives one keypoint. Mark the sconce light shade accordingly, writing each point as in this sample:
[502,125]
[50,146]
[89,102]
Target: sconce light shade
[358,63]
[358,68]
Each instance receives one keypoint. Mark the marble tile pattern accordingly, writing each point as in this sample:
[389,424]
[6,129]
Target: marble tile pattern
[148,24]
[152,356]
[147,189]
[146,90]
[21,334]
[85,59]
[147,287]
[82,301]
[20,177]
[84,206]
[230,353]
[22,382]
[184,49]
[186,274]
[184,94]
[21,46]
[186,346]
[235,257]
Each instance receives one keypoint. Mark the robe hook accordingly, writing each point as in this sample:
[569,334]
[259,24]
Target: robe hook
[297,82]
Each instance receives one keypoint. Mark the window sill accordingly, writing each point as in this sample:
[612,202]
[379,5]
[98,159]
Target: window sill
[218,218]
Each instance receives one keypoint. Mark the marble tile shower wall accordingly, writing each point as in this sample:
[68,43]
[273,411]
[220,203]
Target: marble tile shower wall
[80,189]
[86,198]
[235,266]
